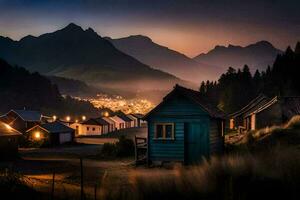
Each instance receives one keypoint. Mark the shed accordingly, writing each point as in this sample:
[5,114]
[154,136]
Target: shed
[120,123]
[184,128]
[53,133]
[104,124]
[112,124]
[134,119]
[90,127]
[275,111]
[140,118]
[22,120]
[128,121]
[8,141]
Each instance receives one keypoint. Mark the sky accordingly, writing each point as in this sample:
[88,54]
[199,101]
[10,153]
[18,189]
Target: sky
[188,26]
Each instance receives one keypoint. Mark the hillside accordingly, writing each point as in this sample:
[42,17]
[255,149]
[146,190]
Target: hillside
[163,58]
[84,55]
[20,88]
[256,56]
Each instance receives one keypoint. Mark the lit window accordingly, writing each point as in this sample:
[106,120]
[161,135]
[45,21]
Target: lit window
[164,131]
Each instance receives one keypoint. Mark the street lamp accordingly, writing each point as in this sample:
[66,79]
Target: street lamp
[68,118]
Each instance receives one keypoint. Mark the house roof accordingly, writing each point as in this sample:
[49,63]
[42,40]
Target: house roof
[125,118]
[91,121]
[117,119]
[193,95]
[252,105]
[101,121]
[137,115]
[131,117]
[107,119]
[6,130]
[290,106]
[28,115]
[53,127]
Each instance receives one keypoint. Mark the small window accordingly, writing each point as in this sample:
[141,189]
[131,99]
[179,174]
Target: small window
[159,131]
[164,131]
[87,128]
[94,129]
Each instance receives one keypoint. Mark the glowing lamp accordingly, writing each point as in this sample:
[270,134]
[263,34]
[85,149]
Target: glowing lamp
[37,135]
[54,117]
[106,114]
[8,126]
[76,120]
[68,118]
[83,117]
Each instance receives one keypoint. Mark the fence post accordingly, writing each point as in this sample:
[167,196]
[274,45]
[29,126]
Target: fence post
[53,182]
[95,190]
[81,180]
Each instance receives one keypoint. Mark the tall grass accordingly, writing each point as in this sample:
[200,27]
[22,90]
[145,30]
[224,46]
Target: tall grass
[266,168]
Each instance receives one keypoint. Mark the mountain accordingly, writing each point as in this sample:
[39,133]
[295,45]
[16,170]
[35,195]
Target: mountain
[163,58]
[256,56]
[84,55]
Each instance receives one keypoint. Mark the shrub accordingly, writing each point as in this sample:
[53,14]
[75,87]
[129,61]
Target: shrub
[14,186]
[123,148]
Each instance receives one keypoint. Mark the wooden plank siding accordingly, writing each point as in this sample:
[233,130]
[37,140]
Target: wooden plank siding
[216,138]
[178,110]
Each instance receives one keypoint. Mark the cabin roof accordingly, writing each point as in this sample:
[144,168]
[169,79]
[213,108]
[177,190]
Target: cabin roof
[27,115]
[252,105]
[193,95]
[53,127]
[117,119]
[138,115]
[125,118]
[101,121]
[290,106]
[6,130]
[107,119]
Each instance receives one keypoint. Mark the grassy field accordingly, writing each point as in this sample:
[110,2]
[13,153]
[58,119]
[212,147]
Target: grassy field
[261,164]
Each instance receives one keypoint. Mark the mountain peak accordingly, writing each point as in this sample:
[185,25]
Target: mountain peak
[140,37]
[263,43]
[73,27]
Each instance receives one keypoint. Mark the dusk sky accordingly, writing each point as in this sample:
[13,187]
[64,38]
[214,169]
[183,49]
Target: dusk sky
[188,26]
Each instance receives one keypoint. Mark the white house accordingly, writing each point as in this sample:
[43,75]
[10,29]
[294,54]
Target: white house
[134,122]
[120,123]
[89,127]
[112,124]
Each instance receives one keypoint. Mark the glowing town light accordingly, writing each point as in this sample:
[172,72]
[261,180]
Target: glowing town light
[8,126]
[106,114]
[54,117]
[37,135]
[76,120]
[83,117]
[68,118]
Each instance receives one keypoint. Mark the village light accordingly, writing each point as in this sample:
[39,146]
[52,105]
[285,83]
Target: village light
[54,117]
[37,135]
[83,117]
[76,120]
[68,118]
[106,114]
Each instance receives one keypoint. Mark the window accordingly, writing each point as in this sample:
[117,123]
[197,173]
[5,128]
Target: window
[94,129]
[87,128]
[164,131]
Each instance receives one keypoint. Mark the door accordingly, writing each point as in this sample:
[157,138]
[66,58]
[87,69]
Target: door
[65,137]
[196,142]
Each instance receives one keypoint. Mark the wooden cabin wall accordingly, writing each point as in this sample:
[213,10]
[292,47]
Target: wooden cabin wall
[216,138]
[269,117]
[8,147]
[178,111]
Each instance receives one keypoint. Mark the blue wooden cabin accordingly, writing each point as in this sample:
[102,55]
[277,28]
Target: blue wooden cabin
[184,128]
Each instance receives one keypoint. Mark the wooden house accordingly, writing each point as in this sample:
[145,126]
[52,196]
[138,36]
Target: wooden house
[184,128]
[22,120]
[140,120]
[8,141]
[90,127]
[128,122]
[112,124]
[53,133]
[263,112]
[120,123]
[275,111]
[134,122]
